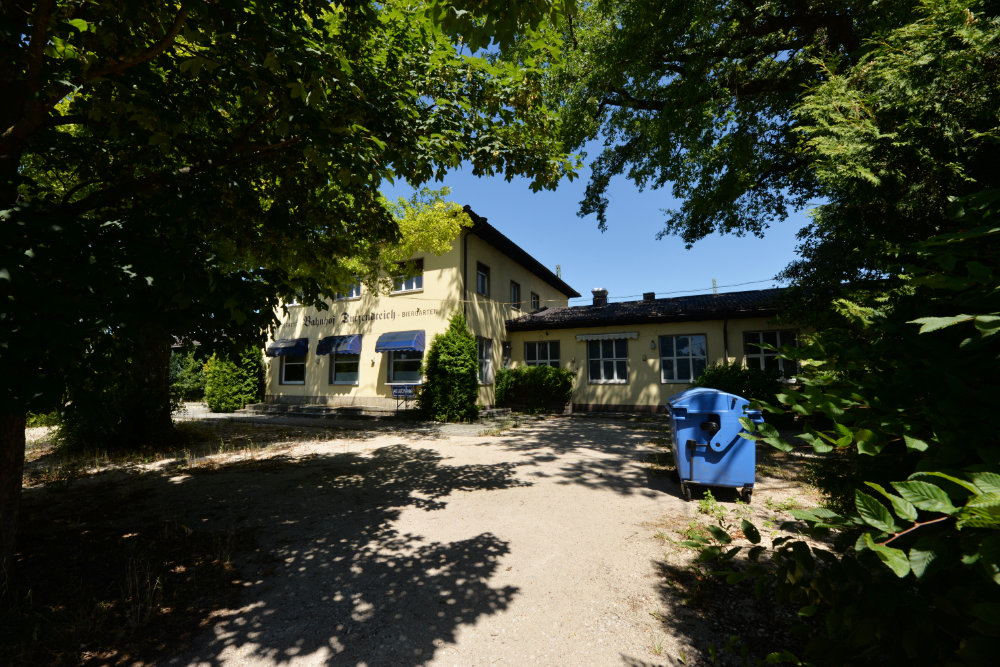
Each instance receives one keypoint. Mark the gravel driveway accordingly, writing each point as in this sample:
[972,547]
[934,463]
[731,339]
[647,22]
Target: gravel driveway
[535,546]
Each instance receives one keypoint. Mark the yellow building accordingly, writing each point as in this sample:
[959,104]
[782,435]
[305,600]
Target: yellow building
[367,347]
[632,356]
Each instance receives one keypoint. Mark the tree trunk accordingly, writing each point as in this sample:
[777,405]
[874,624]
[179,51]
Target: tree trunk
[11,472]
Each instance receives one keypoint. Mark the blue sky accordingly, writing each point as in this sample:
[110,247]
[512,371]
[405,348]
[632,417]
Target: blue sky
[627,259]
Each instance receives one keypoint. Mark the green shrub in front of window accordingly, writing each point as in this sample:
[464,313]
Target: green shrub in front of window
[756,384]
[451,374]
[534,388]
[231,385]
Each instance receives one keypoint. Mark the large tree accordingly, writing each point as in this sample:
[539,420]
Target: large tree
[175,168]
[698,97]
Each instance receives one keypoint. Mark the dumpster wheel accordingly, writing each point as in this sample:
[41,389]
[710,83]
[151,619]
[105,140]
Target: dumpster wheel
[746,492]
[686,491]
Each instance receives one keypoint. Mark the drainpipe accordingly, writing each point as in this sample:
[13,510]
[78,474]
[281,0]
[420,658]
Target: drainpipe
[465,272]
[725,338]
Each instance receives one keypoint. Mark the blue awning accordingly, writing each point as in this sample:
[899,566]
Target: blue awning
[291,347]
[340,345]
[400,341]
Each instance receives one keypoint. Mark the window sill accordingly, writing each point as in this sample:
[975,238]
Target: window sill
[395,383]
[343,384]
[350,298]
[406,291]
[607,381]
[285,384]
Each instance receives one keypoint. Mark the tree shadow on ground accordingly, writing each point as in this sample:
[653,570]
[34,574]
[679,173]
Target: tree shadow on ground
[273,558]
[722,624]
[601,454]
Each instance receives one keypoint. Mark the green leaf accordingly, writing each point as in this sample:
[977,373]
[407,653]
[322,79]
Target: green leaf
[968,486]
[750,531]
[79,24]
[808,611]
[903,508]
[925,496]
[721,535]
[928,324]
[874,513]
[915,444]
[709,553]
[895,558]
[987,482]
[921,557]
[755,553]
[868,442]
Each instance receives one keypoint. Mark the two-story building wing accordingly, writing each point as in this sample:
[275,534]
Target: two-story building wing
[365,344]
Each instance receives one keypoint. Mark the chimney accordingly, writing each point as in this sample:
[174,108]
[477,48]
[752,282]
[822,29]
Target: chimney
[649,296]
[600,296]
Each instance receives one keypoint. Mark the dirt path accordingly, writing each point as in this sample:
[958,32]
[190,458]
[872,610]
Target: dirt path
[532,547]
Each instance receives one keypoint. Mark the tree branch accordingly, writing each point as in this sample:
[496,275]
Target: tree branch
[915,526]
[119,66]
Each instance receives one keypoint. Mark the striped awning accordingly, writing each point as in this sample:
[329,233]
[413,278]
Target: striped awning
[340,345]
[400,341]
[291,347]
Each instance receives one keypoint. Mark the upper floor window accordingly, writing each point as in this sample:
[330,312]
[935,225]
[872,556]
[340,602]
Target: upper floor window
[607,361]
[757,356]
[682,358]
[536,301]
[484,349]
[482,279]
[542,353]
[412,278]
[353,292]
[515,295]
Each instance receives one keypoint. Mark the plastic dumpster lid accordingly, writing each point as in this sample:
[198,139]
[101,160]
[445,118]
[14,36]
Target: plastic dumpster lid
[703,399]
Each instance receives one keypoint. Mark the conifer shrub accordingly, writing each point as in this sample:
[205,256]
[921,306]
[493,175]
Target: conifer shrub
[534,388]
[231,385]
[187,377]
[451,374]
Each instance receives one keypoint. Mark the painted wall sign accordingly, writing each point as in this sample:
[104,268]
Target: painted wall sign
[372,316]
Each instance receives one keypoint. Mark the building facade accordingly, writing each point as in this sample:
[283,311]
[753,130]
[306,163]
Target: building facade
[632,356]
[367,347]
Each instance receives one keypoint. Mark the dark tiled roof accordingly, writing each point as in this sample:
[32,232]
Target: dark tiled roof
[752,303]
[492,235]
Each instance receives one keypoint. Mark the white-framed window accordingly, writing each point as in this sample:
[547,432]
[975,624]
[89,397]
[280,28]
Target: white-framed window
[412,278]
[536,301]
[607,361]
[542,353]
[482,279]
[353,292]
[682,358]
[484,350]
[293,370]
[404,367]
[515,295]
[344,368]
[756,356]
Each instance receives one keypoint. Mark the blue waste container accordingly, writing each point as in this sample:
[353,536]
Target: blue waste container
[707,447]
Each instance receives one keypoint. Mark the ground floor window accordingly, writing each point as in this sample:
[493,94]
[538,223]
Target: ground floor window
[484,350]
[757,356]
[344,368]
[607,361]
[682,358]
[404,367]
[293,369]
[542,353]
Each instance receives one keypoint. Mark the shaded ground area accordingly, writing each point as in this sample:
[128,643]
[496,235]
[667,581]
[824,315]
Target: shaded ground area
[316,543]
